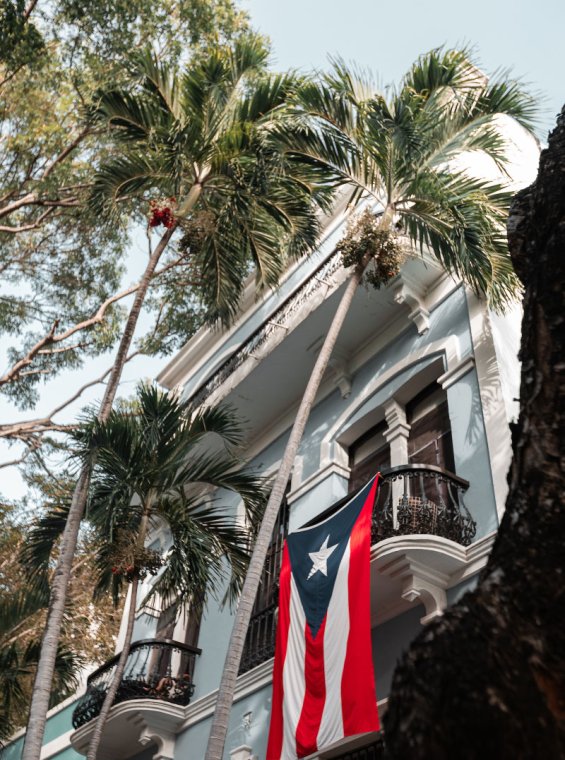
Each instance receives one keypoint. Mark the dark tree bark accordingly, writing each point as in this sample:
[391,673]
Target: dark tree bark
[488,679]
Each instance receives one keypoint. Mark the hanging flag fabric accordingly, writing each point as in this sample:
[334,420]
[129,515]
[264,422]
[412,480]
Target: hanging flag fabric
[323,682]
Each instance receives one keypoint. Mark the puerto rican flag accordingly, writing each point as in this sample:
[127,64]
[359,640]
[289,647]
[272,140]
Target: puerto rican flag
[323,682]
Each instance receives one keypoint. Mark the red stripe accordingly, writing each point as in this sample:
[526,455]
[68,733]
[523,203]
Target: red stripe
[358,696]
[315,693]
[274,747]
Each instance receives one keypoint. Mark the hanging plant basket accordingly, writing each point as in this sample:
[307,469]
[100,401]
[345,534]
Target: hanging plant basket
[364,236]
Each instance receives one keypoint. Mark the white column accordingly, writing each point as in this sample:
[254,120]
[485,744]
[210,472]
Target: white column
[396,435]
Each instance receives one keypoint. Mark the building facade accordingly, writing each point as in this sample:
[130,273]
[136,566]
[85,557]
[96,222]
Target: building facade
[422,387]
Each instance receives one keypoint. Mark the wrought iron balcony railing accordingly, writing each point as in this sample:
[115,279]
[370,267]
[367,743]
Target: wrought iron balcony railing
[155,669]
[411,499]
[415,498]
[260,639]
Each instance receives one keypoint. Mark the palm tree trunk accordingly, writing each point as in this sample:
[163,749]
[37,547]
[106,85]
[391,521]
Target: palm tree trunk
[119,672]
[46,665]
[215,749]
[116,679]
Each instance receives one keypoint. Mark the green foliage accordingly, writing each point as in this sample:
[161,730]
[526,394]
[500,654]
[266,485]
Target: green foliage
[210,130]
[406,150]
[159,461]
[87,632]
[59,259]
[20,43]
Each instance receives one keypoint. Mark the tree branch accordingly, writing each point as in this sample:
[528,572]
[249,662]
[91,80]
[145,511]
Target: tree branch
[17,369]
[30,6]
[33,198]
[28,227]
[62,350]
[24,430]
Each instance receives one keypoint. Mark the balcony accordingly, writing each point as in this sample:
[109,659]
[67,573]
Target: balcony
[155,669]
[412,499]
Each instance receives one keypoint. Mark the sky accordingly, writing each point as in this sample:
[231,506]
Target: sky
[384,38]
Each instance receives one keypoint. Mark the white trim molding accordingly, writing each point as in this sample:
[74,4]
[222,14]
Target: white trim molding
[409,292]
[454,374]
[447,349]
[492,398]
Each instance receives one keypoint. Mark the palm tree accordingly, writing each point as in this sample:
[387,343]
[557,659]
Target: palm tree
[403,154]
[160,463]
[205,137]
[20,608]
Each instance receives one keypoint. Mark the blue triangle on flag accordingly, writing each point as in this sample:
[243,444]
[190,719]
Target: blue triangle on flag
[315,556]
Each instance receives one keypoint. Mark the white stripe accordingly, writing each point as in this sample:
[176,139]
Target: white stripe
[335,648]
[294,682]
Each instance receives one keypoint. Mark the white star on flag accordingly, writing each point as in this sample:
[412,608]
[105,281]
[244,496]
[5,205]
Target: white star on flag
[320,558]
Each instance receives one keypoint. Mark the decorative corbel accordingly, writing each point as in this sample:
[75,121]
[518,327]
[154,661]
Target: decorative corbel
[339,362]
[165,741]
[408,292]
[420,583]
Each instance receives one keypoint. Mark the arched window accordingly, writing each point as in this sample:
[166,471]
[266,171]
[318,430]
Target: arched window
[415,430]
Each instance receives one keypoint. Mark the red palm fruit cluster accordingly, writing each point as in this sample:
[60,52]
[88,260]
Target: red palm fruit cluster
[162,214]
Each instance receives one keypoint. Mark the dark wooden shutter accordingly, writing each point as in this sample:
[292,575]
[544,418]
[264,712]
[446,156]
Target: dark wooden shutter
[430,440]
[364,466]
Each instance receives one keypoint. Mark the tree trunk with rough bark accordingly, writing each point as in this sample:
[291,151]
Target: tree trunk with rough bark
[488,679]
[60,582]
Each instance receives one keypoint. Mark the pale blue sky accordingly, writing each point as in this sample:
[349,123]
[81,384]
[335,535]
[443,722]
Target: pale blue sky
[387,37]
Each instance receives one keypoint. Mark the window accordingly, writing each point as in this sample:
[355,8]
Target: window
[429,440]
[260,640]
[425,439]
[368,455]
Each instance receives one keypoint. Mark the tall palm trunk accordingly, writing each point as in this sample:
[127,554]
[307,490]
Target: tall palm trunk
[59,586]
[215,749]
[120,667]
[116,679]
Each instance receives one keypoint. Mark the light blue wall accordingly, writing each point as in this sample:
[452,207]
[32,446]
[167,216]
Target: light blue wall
[390,641]
[57,725]
[13,751]
[191,744]
[318,498]
[469,439]
[471,451]
[215,630]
